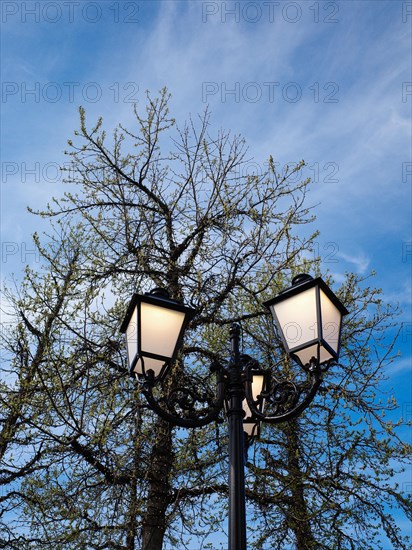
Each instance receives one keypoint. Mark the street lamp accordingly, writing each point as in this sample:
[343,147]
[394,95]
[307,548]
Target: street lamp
[308,317]
[154,327]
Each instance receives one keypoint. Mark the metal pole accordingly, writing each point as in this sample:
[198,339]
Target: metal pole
[237,508]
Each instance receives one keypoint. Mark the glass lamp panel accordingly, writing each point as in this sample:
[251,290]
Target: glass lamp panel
[160,329]
[306,354]
[296,317]
[331,320]
[245,407]
[257,385]
[257,388]
[131,338]
[251,428]
[155,365]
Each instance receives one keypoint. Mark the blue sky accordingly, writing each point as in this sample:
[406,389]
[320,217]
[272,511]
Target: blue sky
[329,82]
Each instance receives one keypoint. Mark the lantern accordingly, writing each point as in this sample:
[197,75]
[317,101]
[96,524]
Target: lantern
[154,326]
[309,318]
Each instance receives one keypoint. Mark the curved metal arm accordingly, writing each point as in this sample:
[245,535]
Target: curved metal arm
[186,402]
[285,396]
[281,394]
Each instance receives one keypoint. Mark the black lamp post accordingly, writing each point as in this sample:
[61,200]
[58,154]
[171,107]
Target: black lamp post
[308,316]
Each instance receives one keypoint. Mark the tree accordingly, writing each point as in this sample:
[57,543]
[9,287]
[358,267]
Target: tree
[103,471]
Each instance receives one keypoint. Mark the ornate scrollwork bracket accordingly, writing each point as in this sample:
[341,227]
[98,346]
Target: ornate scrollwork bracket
[186,407]
[285,399]
[279,401]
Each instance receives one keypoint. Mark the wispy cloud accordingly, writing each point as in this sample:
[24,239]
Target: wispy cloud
[401,366]
[359,261]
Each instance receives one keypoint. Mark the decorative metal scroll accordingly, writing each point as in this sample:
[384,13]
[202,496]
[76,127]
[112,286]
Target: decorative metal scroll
[195,406]
[187,406]
[286,399]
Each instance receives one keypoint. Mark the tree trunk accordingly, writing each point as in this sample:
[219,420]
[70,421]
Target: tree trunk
[134,510]
[131,525]
[161,459]
[298,517]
